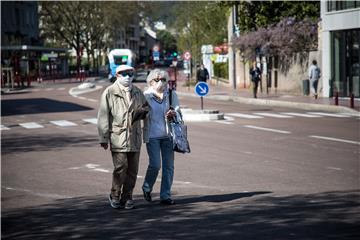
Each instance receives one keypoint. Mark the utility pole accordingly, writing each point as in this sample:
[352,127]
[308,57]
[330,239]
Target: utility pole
[233,29]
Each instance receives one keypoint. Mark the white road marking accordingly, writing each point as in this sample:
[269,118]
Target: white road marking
[90,120]
[46,195]
[273,115]
[302,115]
[2,127]
[267,129]
[49,89]
[225,122]
[329,114]
[31,125]
[241,115]
[334,168]
[63,123]
[90,165]
[61,89]
[335,139]
[352,114]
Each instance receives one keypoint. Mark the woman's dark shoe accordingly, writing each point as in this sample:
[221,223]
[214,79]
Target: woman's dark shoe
[168,201]
[147,196]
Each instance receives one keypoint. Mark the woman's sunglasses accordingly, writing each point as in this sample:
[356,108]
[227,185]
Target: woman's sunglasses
[124,74]
[159,79]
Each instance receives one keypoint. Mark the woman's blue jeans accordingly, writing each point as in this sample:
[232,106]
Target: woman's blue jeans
[160,151]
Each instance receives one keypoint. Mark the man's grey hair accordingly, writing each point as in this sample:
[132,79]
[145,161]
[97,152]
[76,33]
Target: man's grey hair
[157,73]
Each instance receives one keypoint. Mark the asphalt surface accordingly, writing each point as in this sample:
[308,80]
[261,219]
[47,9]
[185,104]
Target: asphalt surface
[250,176]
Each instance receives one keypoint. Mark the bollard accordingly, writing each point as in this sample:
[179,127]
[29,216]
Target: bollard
[337,98]
[352,100]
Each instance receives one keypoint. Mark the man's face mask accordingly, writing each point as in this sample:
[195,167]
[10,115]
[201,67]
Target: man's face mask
[125,78]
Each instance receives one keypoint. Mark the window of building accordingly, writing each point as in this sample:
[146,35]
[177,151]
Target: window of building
[341,5]
[345,62]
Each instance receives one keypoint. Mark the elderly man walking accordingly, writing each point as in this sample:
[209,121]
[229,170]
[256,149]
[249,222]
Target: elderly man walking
[122,105]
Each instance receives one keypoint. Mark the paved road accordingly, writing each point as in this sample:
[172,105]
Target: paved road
[256,175]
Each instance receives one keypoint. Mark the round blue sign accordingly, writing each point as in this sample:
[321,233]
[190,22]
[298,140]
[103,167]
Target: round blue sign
[202,89]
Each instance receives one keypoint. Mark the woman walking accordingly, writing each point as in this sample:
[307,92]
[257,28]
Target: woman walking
[159,144]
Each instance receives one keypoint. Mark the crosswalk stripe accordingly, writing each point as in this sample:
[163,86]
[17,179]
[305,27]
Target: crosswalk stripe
[225,122]
[31,125]
[2,127]
[241,115]
[302,115]
[63,123]
[335,139]
[329,114]
[91,120]
[273,115]
[267,129]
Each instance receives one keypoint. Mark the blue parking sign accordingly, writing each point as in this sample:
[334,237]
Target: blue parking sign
[202,89]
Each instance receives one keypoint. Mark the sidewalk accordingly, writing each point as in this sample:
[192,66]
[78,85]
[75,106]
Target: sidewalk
[278,99]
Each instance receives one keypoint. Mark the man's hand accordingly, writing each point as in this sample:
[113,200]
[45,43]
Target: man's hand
[104,145]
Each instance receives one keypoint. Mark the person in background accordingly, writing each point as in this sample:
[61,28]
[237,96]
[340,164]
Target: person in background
[314,76]
[202,74]
[255,76]
[157,137]
[122,106]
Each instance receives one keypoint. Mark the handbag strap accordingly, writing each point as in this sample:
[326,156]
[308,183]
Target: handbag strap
[170,97]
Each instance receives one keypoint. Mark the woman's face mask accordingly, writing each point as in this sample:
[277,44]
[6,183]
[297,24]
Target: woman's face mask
[159,86]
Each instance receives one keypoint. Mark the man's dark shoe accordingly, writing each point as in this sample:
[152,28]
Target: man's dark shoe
[147,196]
[168,201]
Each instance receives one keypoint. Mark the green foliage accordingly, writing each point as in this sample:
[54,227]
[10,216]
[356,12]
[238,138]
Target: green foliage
[257,14]
[221,70]
[199,23]
[167,40]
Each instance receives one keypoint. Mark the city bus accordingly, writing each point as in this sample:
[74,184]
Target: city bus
[118,57]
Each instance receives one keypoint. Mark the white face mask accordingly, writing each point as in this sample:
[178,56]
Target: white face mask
[125,81]
[159,86]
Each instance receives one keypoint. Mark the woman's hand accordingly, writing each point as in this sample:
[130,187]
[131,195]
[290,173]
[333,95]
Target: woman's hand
[170,114]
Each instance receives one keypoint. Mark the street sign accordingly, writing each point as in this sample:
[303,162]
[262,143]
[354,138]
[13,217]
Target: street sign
[202,89]
[156,56]
[187,56]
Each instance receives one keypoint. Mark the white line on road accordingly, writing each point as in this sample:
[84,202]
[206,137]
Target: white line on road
[329,114]
[334,168]
[302,115]
[90,120]
[267,129]
[241,115]
[46,195]
[335,139]
[225,122]
[273,115]
[31,125]
[2,127]
[63,123]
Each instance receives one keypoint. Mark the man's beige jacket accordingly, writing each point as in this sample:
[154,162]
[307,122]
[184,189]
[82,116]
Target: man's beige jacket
[115,118]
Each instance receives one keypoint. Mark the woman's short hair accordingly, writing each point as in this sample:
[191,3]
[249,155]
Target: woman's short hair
[157,73]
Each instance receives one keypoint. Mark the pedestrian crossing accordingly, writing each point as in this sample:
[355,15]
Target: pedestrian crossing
[229,118]
[57,123]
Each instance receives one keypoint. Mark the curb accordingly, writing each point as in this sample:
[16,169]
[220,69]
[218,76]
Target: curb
[277,103]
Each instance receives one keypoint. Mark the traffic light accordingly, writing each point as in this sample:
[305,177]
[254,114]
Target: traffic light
[175,54]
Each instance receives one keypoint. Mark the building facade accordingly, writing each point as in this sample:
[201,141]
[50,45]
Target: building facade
[340,48]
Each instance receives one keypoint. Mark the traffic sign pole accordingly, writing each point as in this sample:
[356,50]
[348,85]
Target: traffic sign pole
[202,89]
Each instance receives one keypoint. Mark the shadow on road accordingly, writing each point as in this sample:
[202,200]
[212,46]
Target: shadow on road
[46,142]
[37,105]
[329,215]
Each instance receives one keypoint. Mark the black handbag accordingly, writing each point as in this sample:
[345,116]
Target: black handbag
[178,131]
